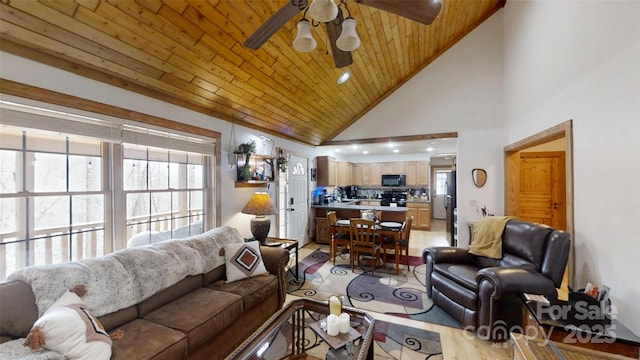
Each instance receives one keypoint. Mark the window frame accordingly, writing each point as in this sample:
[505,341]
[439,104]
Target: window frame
[115,232]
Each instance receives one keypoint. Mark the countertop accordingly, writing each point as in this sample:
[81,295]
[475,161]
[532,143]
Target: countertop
[354,205]
[418,201]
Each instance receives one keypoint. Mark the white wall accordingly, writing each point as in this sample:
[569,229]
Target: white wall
[233,199]
[580,60]
[461,90]
[479,149]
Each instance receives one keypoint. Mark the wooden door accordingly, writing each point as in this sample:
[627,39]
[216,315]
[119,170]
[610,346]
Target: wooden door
[541,193]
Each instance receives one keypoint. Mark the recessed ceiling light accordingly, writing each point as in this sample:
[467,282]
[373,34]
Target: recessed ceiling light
[396,151]
[354,146]
[390,145]
[365,152]
[337,150]
[343,78]
[429,149]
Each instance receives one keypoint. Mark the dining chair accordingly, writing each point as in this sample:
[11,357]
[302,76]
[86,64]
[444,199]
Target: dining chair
[363,241]
[338,238]
[403,244]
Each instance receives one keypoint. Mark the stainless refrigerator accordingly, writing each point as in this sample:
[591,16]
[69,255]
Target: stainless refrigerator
[449,206]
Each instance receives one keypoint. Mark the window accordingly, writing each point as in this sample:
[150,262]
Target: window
[62,193]
[441,182]
[164,191]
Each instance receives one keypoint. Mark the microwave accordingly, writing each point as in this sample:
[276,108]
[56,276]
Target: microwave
[394,180]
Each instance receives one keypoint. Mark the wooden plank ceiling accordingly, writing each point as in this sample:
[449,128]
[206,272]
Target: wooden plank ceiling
[191,53]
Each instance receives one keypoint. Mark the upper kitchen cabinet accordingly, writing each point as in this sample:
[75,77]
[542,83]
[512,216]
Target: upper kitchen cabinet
[375,175]
[345,176]
[423,174]
[417,173]
[361,174]
[327,171]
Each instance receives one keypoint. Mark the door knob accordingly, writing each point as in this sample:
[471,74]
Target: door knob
[291,209]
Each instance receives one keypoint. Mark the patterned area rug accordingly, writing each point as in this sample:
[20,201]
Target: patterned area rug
[394,341]
[386,292]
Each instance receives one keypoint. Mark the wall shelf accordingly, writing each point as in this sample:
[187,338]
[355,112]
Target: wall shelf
[254,170]
[251,183]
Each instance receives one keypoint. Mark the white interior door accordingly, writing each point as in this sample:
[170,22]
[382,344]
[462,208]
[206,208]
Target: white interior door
[297,199]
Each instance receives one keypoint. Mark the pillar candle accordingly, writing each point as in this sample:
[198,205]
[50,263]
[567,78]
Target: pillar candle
[335,307]
[333,325]
[345,323]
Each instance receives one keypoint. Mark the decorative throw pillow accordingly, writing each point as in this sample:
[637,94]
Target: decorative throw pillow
[243,260]
[70,329]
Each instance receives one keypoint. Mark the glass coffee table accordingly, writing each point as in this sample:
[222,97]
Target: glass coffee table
[295,332]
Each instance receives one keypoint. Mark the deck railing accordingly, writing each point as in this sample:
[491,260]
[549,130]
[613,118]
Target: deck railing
[78,242]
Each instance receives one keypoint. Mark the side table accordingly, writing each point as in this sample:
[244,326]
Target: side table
[613,338]
[290,245]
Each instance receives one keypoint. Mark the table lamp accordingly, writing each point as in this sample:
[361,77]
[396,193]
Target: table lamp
[260,205]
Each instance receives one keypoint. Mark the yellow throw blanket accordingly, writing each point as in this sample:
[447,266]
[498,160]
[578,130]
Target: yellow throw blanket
[487,236]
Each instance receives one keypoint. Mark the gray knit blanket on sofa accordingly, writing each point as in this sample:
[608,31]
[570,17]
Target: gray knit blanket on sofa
[129,276]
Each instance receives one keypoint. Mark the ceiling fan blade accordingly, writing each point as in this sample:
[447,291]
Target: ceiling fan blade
[422,11]
[340,58]
[273,24]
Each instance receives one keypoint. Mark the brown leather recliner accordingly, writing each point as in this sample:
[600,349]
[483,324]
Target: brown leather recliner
[482,293]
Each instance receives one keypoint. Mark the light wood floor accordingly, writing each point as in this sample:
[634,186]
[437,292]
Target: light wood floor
[456,343]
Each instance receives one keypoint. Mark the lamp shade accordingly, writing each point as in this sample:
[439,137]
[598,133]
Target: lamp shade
[304,42]
[323,10]
[260,204]
[348,40]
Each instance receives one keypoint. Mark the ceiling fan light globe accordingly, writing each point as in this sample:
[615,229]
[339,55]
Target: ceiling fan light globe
[348,40]
[304,42]
[323,10]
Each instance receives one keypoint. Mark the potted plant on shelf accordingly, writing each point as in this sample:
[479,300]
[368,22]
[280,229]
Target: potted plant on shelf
[246,149]
[282,163]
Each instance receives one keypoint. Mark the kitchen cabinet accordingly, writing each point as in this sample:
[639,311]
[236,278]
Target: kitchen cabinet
[421,213]
[344,170]
[411,170]
[356,175]
[423,174]
[322,230]
[327,171]
[375,174]
[417,173]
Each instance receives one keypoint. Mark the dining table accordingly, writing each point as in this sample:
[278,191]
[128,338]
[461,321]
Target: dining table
[383,229]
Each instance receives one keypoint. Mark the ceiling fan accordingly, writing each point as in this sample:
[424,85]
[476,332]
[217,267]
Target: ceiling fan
[422,11]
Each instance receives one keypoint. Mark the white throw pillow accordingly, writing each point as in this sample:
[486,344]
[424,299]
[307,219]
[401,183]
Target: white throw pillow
[243,260]
[70,329]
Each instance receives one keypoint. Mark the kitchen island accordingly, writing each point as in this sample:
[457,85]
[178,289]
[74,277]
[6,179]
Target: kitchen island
[351,209]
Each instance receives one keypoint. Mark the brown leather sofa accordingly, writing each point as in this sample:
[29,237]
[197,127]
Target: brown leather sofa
[195,318]
[482,293]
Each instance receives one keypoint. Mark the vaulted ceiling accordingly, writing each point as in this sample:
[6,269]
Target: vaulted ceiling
[191,53]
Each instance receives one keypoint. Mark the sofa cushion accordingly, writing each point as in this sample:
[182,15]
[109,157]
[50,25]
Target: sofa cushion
[253,290]
[200,315]
[115,319]
[454,291]
[525,240]
[18,311]
[169,294]
[462,274]
[145,340]
[243,260]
